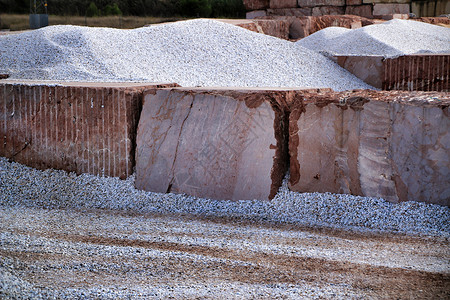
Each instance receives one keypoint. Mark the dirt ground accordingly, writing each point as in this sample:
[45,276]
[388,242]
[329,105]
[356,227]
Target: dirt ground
[64,252]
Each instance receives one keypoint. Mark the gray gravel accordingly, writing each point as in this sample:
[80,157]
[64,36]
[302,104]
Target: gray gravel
[28,187]
[64,236]
[389,39]
[191,53]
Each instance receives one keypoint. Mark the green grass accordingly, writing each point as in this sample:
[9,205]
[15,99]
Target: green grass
[21,22]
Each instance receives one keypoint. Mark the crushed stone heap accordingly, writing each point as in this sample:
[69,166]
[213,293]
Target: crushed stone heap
[191,53]
[389,39]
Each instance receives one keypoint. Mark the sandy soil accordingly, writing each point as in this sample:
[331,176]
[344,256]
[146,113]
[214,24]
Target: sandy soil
[104,253]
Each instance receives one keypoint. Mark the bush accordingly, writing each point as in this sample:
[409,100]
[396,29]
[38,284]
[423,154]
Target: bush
[228,8]
[116,10]
[195,8]
[92,10]
[112,10]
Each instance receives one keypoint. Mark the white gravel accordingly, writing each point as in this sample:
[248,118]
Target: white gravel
[389,39]
[191,53]
[54,189]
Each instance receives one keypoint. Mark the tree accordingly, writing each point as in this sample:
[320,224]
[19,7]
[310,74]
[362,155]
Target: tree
[116,10]
[92,10]
[195,8]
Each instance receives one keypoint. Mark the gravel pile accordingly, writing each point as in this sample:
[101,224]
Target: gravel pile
[389,39]
[191,53]
[54,189]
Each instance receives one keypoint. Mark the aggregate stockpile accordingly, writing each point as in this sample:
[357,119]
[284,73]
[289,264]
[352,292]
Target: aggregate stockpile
[389,39]
[190,53]
[231,144]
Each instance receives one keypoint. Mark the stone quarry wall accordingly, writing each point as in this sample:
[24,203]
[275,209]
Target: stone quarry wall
[235,144]
[213,143]
[393,145]
[226,144]
[426,72]
[84,128]
[365,8]
[418,72]
[292,26]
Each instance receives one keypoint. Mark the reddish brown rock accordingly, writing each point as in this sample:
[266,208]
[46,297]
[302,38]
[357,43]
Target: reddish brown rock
[370,69]
[434,20]
[393,145]
[430,8]
[314,3]
[216,143]
[420,72]
[255,14]
[395,16]
[380,9]
[296,12]
[283,3]
[328,10]
[274,27]
[304,26]
[353,2]
[300,28]
[359,10]
[347,21]
[385,1]
[79,127]
[256,4]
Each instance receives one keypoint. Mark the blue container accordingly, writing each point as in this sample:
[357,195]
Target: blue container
[38,21]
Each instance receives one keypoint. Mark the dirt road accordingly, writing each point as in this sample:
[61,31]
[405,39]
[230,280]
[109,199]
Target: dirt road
[106,254]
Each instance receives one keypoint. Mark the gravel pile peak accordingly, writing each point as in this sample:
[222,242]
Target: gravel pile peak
[389,39]
[191,53]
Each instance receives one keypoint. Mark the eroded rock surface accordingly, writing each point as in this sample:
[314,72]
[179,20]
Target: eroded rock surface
[219,144]
[77,127]
[393,145]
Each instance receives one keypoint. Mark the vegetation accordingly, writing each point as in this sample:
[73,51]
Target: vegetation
[92,10]
[21,22]
[156,8]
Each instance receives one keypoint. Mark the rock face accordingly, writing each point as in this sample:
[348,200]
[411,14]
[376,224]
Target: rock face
[380,9]
[283,3]
[370,69]
[256,4]
[359,10]
[393,145]
[83,128]
[220,144]
[384,9]
[274,27]
[313,3]
[328,10]
[301,27]
[289,12]
[419,72]
[353,2]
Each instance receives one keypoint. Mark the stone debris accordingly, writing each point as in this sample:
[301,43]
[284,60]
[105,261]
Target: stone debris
[53,189]
[191,53]
[389,39]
